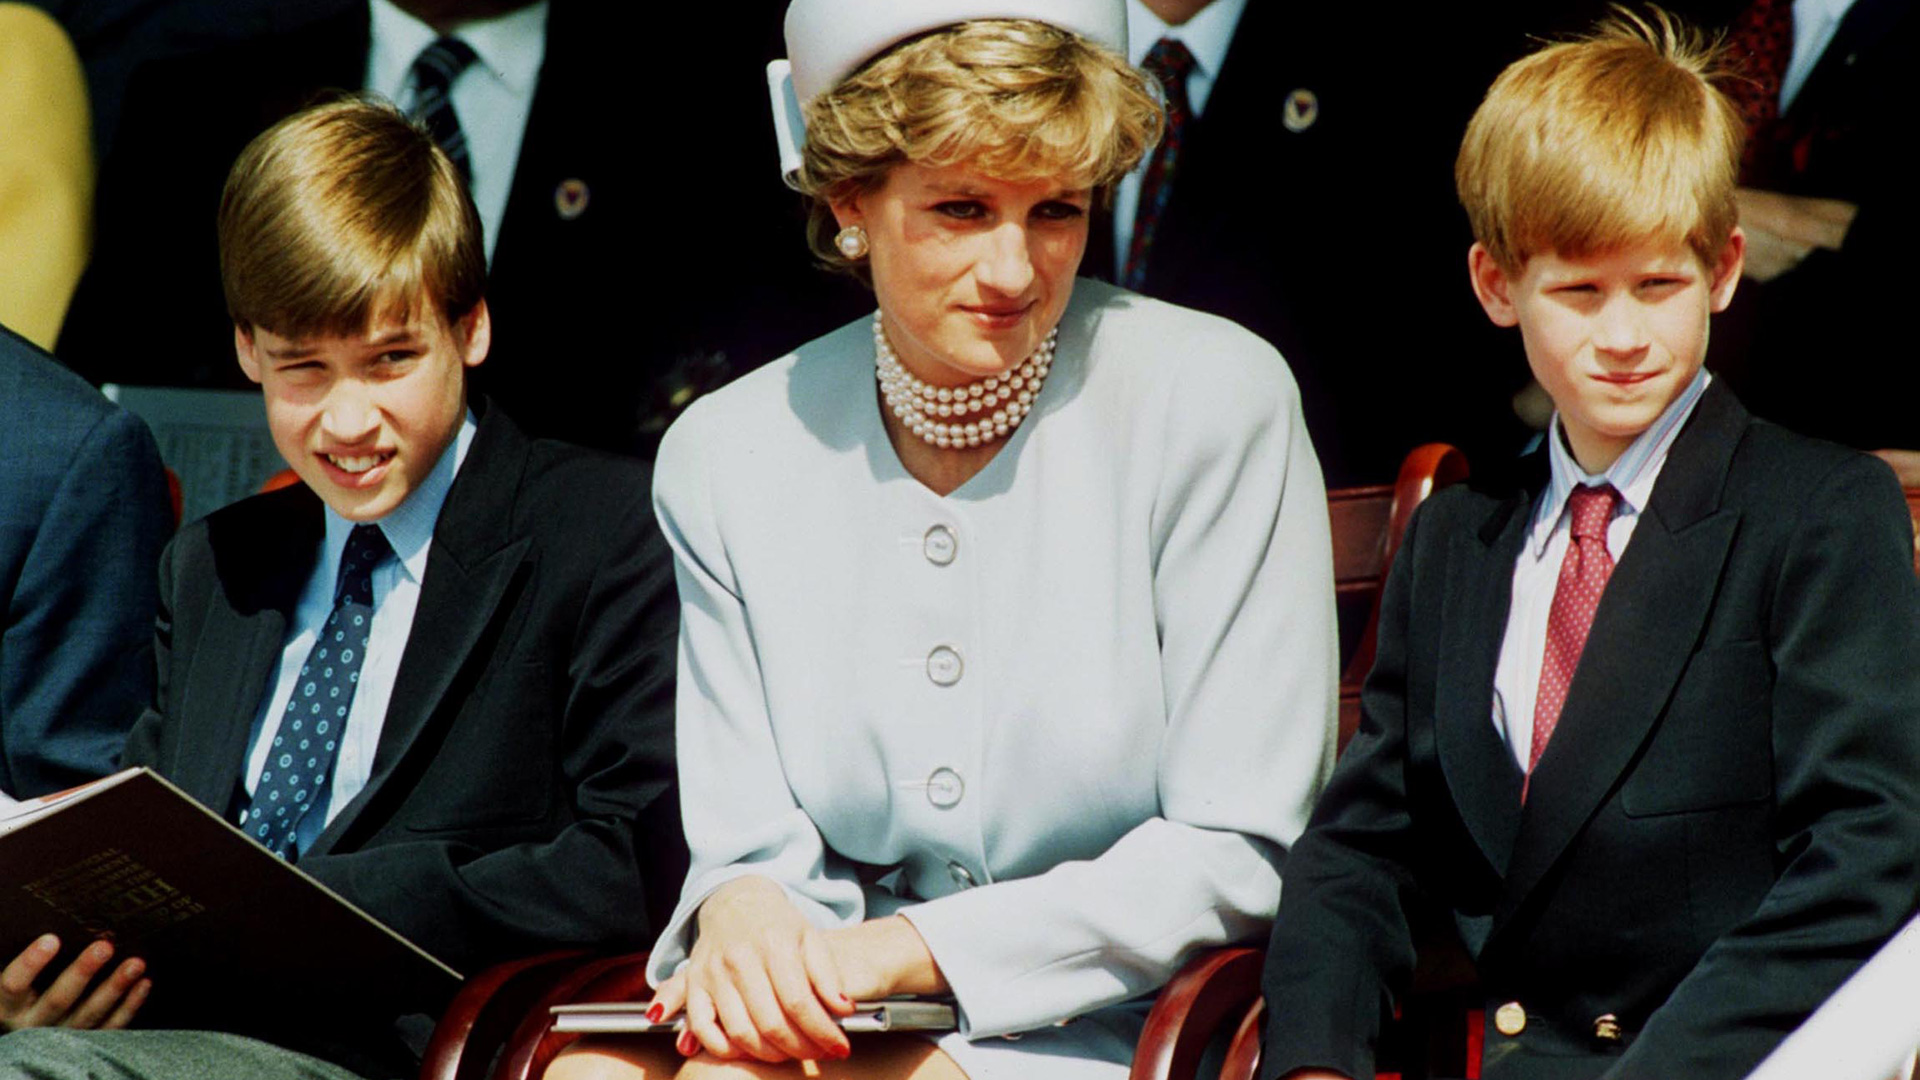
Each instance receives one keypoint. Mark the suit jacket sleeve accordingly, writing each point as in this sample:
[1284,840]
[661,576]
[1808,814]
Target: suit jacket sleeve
[1341,938]
[740,815]
[75,665]
[1845,629]
[471,903]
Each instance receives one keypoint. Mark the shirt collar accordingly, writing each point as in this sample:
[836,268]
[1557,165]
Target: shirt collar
[1207,35]
[1830,10]
[1632,474]
[510,47]
[409,526]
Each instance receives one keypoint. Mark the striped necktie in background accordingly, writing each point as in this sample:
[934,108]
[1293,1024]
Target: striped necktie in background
[1171,63]
[434,71]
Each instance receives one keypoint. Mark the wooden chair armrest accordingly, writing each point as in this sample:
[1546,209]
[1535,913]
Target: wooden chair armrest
[534,1044]
[1211,989]
[488,1006]
[1243,1053]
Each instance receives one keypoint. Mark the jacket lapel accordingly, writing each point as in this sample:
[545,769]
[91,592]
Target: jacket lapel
[471,573]
[1650,616]
[261,572]
[1480,771]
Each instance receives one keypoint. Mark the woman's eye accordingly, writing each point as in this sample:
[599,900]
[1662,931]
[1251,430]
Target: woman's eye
[963,210]
[1057,211]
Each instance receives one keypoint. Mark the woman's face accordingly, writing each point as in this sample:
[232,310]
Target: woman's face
[971,271]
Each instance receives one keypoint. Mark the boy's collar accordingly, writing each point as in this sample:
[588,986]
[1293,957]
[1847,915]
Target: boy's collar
[511,46]
[409,527]
[1207,35]
[1632,474]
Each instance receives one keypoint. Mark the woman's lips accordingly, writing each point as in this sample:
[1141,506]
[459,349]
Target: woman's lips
[998,317]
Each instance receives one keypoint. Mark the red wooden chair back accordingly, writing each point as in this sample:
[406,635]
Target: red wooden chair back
[1368,523]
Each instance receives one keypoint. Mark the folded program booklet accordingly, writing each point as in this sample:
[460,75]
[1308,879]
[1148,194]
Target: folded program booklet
[631,1016]
[216,917]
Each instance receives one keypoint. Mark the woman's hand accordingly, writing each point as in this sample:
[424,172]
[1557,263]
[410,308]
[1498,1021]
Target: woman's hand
[760,982]
[883,957]
[763,982]
[66,1003]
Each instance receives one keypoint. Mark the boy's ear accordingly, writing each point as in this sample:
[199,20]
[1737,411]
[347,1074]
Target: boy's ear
[1491,285]
[243,350]
[1727,269]
[474,335]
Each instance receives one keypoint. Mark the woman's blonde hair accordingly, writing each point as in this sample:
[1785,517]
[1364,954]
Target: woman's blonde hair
[1020,100]
[341,213]
[1618,138]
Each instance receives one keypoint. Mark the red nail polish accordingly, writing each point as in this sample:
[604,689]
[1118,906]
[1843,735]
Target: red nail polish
[656,1013]
[686,1044]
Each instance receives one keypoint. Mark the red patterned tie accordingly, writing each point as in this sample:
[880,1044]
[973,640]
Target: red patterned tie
[1760,40]
[1171,63]
[1583,577]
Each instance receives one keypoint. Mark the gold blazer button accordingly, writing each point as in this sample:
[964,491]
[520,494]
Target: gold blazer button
[1606,1028]
[1510,1019]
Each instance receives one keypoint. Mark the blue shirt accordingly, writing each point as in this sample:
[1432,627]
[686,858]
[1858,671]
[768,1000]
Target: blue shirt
[396,593]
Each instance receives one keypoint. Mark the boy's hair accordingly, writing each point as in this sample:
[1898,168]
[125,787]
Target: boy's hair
[1617,138]
[1023,100]
[344,213]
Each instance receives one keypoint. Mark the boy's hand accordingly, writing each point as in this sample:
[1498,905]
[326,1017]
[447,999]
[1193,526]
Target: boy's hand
[66,1002]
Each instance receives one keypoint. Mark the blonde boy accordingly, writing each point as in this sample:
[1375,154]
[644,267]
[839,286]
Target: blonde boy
[1644,730]
[451,648]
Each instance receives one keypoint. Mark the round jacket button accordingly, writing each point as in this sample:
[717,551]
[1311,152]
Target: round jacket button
[962,876]
[939,545]
[944,666]
[1606,1028]
[945,789]
[1510,1019]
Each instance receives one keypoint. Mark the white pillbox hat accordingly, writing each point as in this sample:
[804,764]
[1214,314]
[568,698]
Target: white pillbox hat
[827,40]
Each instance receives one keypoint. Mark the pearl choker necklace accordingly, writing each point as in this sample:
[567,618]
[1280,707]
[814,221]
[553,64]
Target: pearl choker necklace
[958,416]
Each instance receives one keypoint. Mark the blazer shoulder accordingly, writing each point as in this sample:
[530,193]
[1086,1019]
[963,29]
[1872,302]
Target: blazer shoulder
[563,480]
[255,531]
[1773,465]
[578,507]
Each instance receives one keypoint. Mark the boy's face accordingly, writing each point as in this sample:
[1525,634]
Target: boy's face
[1613,338]
[363,418]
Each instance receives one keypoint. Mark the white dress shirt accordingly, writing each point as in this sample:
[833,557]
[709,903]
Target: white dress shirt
[1207,36]
[492,96]
[1536,573]
[1814,24]
[396,593]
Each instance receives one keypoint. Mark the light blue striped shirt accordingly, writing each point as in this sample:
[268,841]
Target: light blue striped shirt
[1516,681]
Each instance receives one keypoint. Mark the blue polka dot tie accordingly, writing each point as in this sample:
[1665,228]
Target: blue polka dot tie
[299,769]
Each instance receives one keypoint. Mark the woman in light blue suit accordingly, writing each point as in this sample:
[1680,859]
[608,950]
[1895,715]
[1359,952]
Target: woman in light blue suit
[1007,652]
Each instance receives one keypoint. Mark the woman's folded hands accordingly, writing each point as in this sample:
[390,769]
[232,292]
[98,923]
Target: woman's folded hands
[762,982]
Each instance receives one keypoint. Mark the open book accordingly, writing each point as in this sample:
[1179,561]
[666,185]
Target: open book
[216,916]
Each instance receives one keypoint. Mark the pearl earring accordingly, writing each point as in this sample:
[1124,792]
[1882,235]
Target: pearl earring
[851,242]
